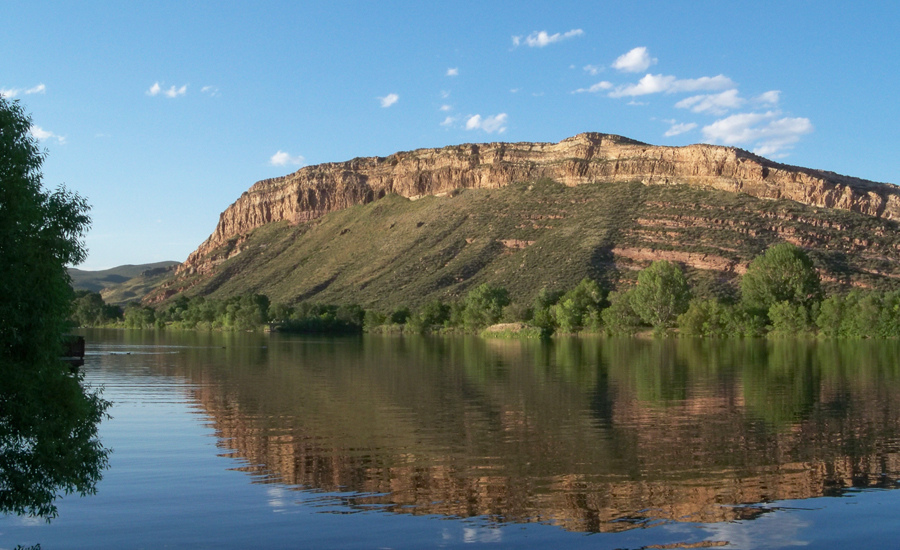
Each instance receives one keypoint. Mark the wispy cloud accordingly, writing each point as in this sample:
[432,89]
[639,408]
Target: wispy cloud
[172,92]
[43,135]
[593,70]
[446,108]
[772,97]
[449,121]
[490,124]
[212,91]
[282,158]
[765,132]
[657,83]
[635,61]
[716,104]
[10,93]
[453,71]
[539,39]
[598,87]
[389,100]
[680,128]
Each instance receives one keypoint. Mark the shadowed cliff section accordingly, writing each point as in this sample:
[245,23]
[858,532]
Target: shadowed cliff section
[316,190]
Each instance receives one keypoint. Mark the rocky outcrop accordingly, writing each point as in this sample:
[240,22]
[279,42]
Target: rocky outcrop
[586,158]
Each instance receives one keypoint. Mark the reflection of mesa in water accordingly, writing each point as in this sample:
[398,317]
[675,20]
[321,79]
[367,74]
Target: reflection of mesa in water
[474,429]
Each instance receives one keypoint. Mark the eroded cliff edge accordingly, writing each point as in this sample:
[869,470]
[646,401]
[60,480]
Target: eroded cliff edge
[316,190]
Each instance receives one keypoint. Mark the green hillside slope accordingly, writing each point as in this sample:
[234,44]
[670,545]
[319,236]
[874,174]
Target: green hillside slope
[533,235]
[124,283]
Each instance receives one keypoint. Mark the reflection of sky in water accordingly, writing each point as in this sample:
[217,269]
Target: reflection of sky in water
[781,529]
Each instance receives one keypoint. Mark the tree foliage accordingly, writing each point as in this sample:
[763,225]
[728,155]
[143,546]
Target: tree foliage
[48,421]
[579,308]
[661,294]
[784,273]
[484,306]
[40,233]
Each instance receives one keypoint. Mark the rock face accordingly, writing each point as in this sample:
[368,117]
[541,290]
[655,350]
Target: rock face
[586,158]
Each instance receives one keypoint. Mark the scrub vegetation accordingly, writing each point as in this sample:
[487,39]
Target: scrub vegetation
[780,295]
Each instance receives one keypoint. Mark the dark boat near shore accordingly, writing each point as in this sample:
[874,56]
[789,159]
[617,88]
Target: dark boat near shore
[73,350]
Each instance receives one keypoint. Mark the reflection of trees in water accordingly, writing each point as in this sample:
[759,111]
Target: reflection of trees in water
[48,438]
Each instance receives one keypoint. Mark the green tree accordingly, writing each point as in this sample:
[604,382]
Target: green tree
[831,314]
[90,310]
[48,421]
[784,273]
[40,233]
[619,317]
[661,294]
[138,316]
[541,310]
[433,314]
[708,318]
[484,306]
[789,319]
[579,307]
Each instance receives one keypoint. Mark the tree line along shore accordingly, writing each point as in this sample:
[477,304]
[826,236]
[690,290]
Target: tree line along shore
[780,294]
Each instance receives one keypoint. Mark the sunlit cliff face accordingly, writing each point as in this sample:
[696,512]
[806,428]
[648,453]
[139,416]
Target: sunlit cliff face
[589,435]
[586,158]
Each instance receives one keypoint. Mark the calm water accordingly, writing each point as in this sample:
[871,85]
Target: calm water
[241,441]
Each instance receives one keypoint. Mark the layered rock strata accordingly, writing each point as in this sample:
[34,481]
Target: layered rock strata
[314,191]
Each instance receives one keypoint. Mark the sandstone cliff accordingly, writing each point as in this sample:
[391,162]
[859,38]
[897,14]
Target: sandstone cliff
[590,157]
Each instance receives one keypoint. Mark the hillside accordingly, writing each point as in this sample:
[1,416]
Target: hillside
[124,283]
[535,234]
[314,191]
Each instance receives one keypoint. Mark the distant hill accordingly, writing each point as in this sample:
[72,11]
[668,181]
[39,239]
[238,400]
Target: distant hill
[122,283]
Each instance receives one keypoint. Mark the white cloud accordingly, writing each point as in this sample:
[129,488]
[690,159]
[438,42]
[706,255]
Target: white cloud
[681,128]
[10,93]
[718,82]
[767,133]
[598,87]
[454,71]
[41,134]
[539,39]
[634,61]
[650,84]
[490,124]
[282,158]
[772,97]
[446,108]
[657,83]
[172,92]
[389,100]
[593,70]
[211,90]
[449,121]
[445,94]
[717,104]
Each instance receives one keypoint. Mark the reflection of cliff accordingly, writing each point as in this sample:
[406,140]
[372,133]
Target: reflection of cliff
[592,436]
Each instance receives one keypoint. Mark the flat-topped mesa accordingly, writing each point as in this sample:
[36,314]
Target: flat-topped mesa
[313,191]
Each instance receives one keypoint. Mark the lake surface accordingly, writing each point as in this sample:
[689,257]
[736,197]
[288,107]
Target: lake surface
[275,441]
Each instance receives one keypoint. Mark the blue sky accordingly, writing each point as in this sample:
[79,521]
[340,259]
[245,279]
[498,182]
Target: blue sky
[163,113]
